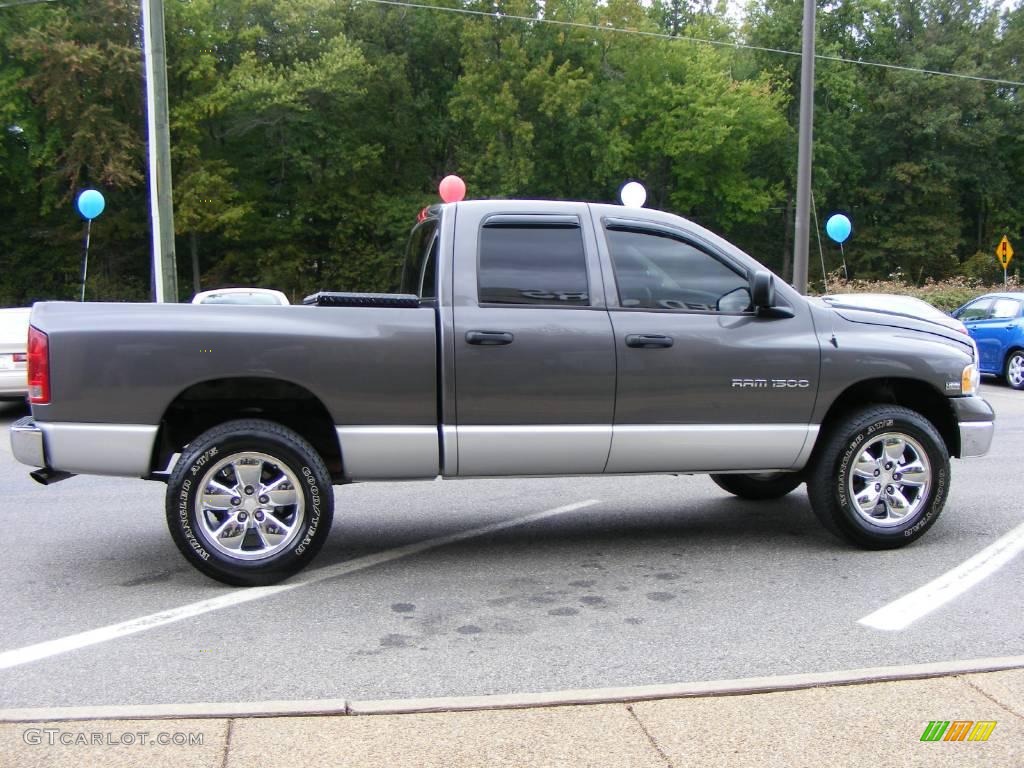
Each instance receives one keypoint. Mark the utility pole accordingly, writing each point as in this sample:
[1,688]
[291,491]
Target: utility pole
[802,231]
[161,205]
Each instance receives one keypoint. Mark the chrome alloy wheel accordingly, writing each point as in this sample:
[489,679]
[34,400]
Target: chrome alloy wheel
[1015,371]
[890,480]
[250,506]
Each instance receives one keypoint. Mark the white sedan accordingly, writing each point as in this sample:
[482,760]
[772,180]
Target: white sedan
[241,296]
[13,353]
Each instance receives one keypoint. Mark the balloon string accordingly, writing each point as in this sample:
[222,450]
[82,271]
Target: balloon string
[817,233]
[85,258]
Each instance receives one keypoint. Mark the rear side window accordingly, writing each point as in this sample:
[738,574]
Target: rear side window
[1005,309]
[527,261]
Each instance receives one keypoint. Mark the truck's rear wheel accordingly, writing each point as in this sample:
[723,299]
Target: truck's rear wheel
[249,503]
[881,477]
[759,486]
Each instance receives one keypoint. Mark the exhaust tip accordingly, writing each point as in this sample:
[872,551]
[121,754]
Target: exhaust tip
[49,476]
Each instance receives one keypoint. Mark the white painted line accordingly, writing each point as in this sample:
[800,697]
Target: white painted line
[30,653]
[903,612]
[339,707]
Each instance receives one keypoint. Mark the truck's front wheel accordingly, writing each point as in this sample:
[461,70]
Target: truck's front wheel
[249,503]
[760,486]
[880,478]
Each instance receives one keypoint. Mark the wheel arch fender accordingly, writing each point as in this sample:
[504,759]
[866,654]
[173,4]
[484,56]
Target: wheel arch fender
[917,395]
[206,404]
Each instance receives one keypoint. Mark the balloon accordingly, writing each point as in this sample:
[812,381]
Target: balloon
[633,195]
[91,204]
[838,227]
[452,189]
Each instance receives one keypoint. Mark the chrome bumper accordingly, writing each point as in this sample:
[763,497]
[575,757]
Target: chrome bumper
[27,442]
[119,450]
[975,438]
[976,421]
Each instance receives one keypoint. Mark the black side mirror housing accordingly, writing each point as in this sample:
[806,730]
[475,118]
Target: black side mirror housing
[762,295]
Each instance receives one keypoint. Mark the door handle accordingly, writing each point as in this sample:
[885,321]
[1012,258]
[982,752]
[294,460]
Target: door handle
[648,341]
[489,338]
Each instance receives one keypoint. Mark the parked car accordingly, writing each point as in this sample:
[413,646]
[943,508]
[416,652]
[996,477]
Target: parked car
[14,353]
[895,304]
[996,323]
[530,338]
[266,296]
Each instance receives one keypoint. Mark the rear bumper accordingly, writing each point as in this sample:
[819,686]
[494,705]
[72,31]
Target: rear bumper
[121,450]
[27,442]
[976,421]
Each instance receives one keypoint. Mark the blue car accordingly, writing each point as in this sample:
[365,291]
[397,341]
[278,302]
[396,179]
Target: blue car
[996,323]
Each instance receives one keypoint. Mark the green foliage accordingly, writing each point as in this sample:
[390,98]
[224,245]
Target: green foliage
[946,295]
[306,135]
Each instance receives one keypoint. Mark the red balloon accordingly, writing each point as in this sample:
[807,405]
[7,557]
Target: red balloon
[452,189]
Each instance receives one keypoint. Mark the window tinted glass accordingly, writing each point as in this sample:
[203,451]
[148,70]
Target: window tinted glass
[419,271]
[658,272]
[977,310]
[526,264]
[1005,308]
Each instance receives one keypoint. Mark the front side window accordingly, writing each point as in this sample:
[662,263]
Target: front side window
[656,271]
[532,263]
[977,310]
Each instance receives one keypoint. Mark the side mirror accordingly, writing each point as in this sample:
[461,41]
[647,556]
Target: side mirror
[762,290]
[762,296]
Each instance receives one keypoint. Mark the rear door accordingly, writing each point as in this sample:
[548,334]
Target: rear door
[704,384]
[533,349]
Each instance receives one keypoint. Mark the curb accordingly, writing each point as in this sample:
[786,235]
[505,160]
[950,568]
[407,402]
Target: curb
[322,707]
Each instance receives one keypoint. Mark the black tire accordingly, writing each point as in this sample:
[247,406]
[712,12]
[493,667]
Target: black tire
[761,486]
[869,441]
[1013,374]
[283,509]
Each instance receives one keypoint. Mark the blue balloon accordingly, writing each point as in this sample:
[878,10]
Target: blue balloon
[91,204]
[838,227]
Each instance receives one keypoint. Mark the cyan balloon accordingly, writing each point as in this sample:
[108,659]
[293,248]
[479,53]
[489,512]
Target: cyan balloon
[91,204]
[838,227]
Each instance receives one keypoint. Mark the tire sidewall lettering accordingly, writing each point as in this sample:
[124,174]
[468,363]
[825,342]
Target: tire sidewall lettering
[185,519]
[313,493]
[937,494]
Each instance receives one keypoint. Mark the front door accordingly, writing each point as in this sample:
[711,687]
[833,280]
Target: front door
[704,383]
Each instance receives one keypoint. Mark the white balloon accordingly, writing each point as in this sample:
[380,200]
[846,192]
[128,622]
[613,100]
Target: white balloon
[633,195]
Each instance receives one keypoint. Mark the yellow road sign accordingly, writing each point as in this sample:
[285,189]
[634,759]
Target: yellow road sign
[1004,252]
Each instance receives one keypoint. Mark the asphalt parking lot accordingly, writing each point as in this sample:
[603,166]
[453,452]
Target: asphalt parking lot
[495,586]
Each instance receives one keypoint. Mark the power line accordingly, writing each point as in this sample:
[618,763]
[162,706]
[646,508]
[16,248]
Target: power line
[13,3]
[688,39]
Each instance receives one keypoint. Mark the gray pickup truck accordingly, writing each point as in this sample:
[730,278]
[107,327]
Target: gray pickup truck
[532,338]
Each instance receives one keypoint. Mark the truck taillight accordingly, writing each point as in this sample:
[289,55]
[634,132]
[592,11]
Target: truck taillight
[38,366]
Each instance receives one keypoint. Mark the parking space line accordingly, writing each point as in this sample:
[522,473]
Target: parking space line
[30,653]
[903,612]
